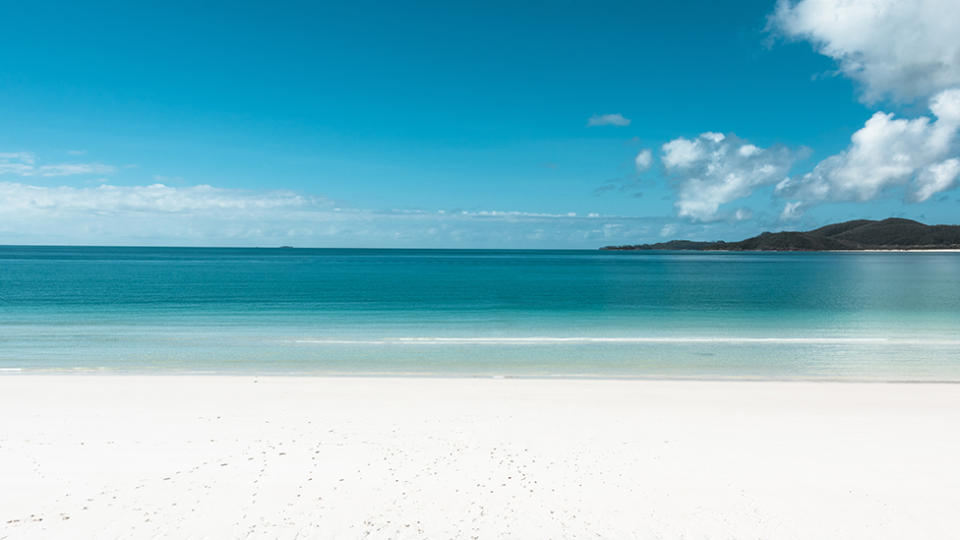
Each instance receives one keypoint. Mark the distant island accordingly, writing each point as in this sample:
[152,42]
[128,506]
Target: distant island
[858,235]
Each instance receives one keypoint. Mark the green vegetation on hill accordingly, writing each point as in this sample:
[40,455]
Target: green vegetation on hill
[861,234]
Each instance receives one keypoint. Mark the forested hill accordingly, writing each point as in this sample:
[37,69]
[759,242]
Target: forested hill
[862,234]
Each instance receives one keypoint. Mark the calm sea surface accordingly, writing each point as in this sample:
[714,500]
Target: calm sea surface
[885,316]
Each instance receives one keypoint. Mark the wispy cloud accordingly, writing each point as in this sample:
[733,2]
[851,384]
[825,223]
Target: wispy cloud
[668,230]
[25,164]
[23,157]
[68,169]
[608,120]
[155,198]
[207,215]
[19,163]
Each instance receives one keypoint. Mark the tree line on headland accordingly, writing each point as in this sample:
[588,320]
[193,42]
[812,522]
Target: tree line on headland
[857,235]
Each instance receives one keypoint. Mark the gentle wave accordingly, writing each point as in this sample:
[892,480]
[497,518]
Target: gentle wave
[600,340]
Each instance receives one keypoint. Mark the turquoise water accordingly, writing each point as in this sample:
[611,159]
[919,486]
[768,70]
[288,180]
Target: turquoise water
[886,316]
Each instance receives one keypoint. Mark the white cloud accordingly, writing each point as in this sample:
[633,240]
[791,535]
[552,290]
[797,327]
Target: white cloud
[894,48]
[25,164]
[791,211]
[67,169]
[680,153]
[886,153]
[713,136]
[905,50]
[155,198]
[76,152]
[669,229]
[608,120]
[936,178]
[19,163]
[23,157]
[204,215]
[748,150]
[643,160]
[715,169]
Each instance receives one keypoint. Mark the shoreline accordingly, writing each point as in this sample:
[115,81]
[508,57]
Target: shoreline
[931,250]
[142,456]
[113,372]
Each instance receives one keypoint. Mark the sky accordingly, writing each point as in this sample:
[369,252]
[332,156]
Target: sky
[563,124]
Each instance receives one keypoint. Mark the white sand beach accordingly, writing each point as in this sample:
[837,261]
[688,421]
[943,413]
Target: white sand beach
[103,456]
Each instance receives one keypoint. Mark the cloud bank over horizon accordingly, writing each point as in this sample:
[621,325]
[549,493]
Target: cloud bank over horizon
[204,215]
[25,164]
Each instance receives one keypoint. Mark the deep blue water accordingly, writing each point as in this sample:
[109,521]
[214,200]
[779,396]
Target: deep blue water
[888,316]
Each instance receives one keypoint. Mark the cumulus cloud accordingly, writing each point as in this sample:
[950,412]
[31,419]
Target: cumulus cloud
[608,120]
[680,153]
[906,50]
[643,160]
[25,164]
[894,49]
[936,178]
[715,169]
[886,153]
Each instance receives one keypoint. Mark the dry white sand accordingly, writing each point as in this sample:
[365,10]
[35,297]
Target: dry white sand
[285,457]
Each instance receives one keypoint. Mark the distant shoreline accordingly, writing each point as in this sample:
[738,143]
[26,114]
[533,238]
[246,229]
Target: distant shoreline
[909,250]
[932,250]
[892,234]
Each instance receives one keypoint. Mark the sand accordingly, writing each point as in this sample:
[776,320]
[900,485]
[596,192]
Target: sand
[105,456]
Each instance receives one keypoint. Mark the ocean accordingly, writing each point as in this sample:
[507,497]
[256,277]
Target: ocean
[844,316]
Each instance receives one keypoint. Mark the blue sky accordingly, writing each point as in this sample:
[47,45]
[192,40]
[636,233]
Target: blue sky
[468,124]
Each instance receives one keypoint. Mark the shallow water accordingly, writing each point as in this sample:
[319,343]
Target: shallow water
[884,316]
